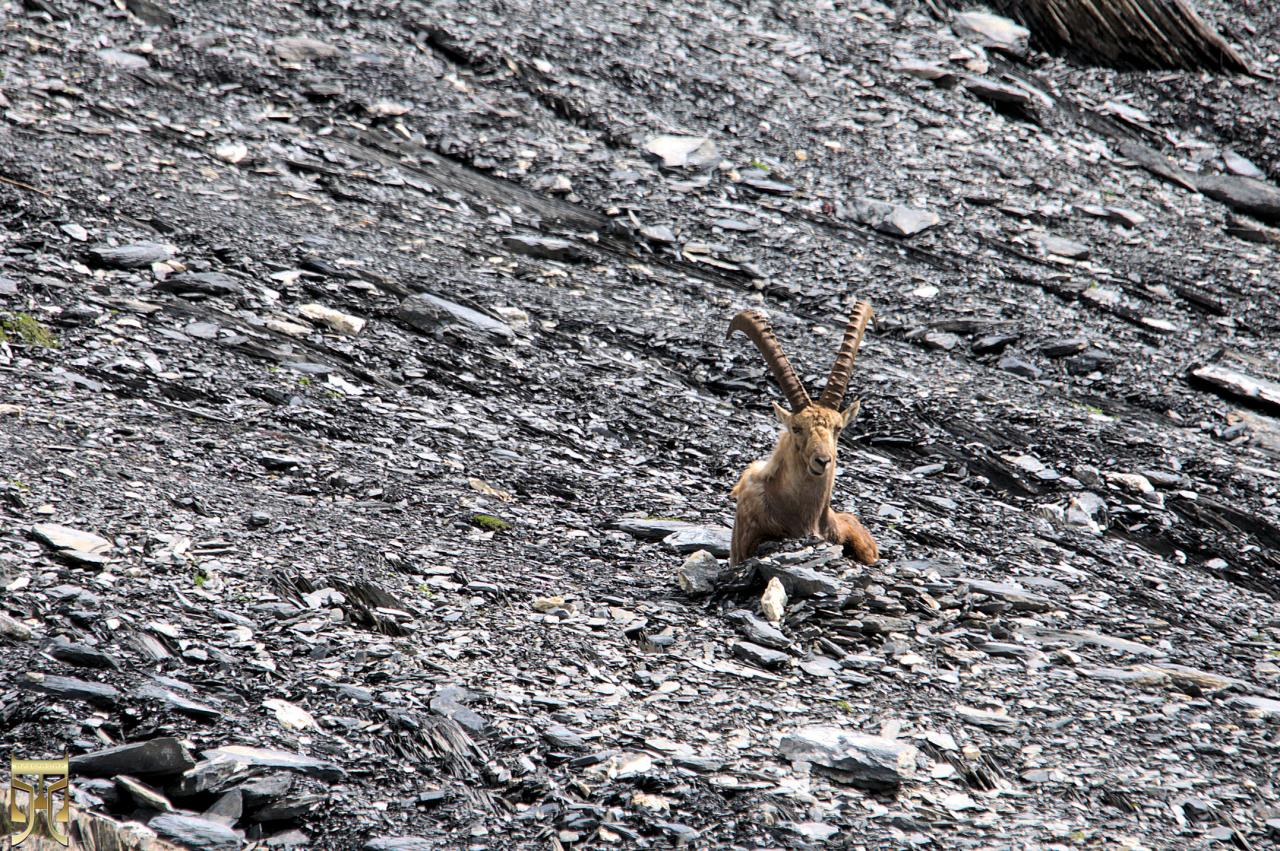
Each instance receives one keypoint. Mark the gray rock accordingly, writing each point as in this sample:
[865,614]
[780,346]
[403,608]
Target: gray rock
[1264,706]
[1242,194]
[66,538]
[993,343]
[80,655]
[1065,346]
[869,211]
[1018,366]
[197,833]
[69,688]
[870,762]
[1019,598]
[302,49]
[761,656]
[227,809]
[179,703]
[905,221]
[122,59]
[699,573]
[133,256]
[402,843]
[1125,676]
[1060,247]
[713,539]
[801,580]
[200,283]
[992,31]
[987,720]
[760,631]
[160,756]
[268,758]
[13,629]
[429,313]
[1084,636]
[1088,511]
[143,795]
[266,788]
[448,703]
[1241,166]
[561,736]
[544,247]
[291,809]
[684,152]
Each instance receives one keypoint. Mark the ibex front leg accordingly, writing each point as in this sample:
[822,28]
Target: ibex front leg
[848,531]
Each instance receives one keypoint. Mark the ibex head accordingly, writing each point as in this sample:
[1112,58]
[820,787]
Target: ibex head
[813,427]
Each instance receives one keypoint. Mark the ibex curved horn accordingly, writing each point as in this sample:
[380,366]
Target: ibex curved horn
[756,327]
[838,380]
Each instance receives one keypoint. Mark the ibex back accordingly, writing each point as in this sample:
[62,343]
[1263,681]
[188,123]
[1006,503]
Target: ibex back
[788,494]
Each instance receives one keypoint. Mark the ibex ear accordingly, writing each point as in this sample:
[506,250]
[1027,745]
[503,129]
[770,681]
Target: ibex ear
[849,413]
[782,415]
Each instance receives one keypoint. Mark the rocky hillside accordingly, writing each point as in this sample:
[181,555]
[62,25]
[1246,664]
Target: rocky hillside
[364,390]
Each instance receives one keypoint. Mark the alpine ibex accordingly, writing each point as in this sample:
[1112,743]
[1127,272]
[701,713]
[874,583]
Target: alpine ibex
[788,494]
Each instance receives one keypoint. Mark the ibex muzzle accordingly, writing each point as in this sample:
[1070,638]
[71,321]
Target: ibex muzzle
[788,494]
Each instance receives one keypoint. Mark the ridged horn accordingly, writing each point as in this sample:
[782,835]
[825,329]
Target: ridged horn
[838,380]
[754,324]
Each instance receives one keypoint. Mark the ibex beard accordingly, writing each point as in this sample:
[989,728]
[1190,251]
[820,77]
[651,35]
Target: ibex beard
[788,494]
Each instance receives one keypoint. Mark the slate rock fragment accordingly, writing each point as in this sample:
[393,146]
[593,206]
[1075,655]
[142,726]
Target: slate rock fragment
[683,152]
[200,284]
[159,756]
[431,313]
[70,688]
[195,832]
[135,255]
[869,762]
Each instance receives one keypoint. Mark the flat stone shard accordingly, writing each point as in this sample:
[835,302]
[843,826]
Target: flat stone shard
[1019,598]
[430,313]
[684,152]
[159,756]
[200,283]
[992,31]
[869,762]
[801,572]
[268,758]
[196,833]
[66,538]
[137,255]
[70,688]
[713,539]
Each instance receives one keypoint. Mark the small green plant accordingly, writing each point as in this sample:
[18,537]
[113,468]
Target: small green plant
[490,522]
[761,164]
[304,380]
[27,330]
[19,484]
[844,706]
[200,577]
[662,519]
[1093,409]
[425,590]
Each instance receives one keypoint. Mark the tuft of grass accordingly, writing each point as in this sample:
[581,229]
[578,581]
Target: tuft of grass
[27,330]
[490,522]
[662,519]
[304,380]
[200,577]
[762,165]
[844,706]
